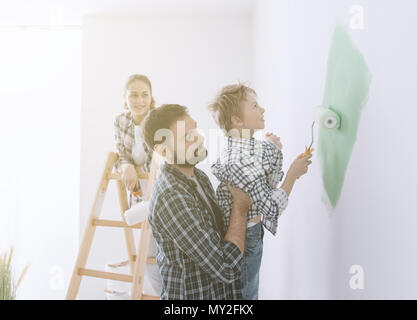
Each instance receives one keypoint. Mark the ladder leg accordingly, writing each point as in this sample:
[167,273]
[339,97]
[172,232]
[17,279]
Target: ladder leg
[143,246]
[141,261]
[90,228]
[130,240]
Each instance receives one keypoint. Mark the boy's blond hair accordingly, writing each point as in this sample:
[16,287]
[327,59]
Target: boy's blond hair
[227,103]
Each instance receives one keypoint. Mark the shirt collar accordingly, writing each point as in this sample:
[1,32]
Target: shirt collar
[168,168]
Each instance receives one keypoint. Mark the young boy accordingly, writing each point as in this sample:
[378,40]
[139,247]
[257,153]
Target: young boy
[255,167]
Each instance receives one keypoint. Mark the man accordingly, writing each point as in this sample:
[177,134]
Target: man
[199,257]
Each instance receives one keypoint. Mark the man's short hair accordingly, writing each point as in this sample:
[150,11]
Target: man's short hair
[161,118]
[227,103]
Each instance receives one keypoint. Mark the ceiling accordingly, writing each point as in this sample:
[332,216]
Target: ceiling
[71,12]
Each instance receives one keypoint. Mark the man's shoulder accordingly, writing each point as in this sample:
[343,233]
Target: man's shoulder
[168,200]
[166,187]
[201,174]
[162,192]
[164,184]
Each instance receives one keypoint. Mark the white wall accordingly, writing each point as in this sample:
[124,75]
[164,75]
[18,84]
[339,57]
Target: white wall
[374,223]
[187,58]
[283,55]
[40,101]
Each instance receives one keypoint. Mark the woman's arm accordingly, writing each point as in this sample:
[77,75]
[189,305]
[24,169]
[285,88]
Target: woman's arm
[121,147]
[124,164]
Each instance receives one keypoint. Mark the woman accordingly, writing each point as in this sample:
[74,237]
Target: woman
[138,101]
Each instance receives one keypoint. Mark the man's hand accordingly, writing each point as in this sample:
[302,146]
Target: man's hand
[240,199]
[274,139]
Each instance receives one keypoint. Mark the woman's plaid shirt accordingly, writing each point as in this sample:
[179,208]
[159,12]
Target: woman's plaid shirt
[255,167]
[124,133]
[193,259]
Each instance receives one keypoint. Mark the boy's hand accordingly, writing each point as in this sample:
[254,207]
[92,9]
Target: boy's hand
[300,165]
[240,198]
[274,139]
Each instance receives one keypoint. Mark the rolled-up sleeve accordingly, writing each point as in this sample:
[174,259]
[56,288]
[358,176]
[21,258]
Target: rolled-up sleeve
[120,145]
[272,156]
[281,198]
[176,216]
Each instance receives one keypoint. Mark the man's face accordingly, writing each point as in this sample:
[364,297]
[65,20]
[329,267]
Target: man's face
[188,143]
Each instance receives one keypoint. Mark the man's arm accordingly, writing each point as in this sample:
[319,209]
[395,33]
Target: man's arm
[179,219]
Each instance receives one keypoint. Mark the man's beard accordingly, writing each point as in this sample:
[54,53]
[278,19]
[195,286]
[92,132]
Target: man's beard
[197,158]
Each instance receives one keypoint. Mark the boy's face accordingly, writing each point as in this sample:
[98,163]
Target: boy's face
[252,113]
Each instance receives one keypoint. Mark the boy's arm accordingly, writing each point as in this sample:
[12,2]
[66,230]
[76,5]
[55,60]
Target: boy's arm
[272,159]
[288,182]
[177,217]
[297,168]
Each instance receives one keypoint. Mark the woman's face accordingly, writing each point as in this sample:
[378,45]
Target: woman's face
[138,98]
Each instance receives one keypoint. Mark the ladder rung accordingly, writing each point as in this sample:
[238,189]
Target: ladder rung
[105,275]
[114,223]
[113,176]
[150,260]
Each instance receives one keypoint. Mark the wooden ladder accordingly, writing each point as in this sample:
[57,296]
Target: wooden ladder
[138,259]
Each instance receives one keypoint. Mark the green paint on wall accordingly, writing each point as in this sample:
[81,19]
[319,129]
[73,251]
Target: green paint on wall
[346,90]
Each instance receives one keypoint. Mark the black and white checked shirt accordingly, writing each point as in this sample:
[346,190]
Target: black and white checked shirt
[255,167]
[193,259]
[124,134]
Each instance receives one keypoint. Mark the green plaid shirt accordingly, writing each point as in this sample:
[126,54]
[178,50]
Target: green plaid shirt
[193,259]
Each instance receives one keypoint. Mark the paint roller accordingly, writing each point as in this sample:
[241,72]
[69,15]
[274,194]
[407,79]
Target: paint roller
[327,117]
[137,213]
